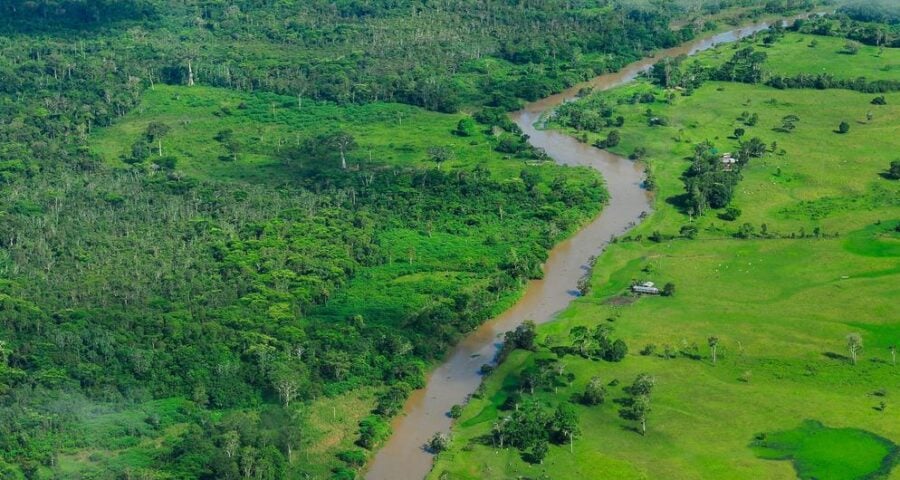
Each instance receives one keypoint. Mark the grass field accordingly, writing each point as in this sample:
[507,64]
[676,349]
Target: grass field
[780,306]
[812,54]
[267,126]
[816,177]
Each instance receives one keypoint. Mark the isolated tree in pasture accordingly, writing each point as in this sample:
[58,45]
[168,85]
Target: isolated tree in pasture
[739,132]
[594,392]
[154,133]
[439,155]
[854,345]
[564,425]
[844,127]
[851,47]
[637,410]
[713,342]
[466,128]
[343,142]
[643,385]
[789,123]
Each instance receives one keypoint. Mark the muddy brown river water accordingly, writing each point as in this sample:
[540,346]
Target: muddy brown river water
[403,456]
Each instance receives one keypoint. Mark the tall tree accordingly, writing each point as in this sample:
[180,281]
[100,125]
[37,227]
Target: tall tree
[713,342]
[854,345]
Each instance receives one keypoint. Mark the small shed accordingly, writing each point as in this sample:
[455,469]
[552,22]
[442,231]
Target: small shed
[647,288]
[728,161]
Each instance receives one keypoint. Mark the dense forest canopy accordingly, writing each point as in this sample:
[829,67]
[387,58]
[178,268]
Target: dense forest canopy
[129,282]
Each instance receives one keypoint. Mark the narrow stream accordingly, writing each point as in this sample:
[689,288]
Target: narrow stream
[403,457]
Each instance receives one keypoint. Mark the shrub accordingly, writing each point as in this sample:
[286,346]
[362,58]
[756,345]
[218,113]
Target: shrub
[730,214]
[668,289]
[438,443]
[353,458]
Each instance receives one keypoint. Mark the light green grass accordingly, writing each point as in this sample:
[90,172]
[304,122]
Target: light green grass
[268,126]
[822,179]
[797,53]
[793,54]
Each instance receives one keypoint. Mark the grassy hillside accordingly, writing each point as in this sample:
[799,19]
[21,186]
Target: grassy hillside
[780,299]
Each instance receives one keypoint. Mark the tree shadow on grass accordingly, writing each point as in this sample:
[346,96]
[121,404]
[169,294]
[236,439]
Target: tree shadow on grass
[680,202]
[836,356]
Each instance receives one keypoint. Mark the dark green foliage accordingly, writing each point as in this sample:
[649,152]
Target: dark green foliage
[262,265]
[391,400]
[730,214]
[844,127]
[438,443]
[594,392]
[522,337]
[525,427]
[637,406]
[563,425]
[747,66]
[597,343]
[372,431]
[689,231]
[538,453]
[616,351]
[707,182]
[353,458]
[668,289]
[862,22]
[466,128]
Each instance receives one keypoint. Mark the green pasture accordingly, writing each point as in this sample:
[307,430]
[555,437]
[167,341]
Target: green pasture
[798,53]
[781,307]
[268,129]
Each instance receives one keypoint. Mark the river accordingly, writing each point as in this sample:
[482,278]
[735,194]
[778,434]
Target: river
[403,456]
